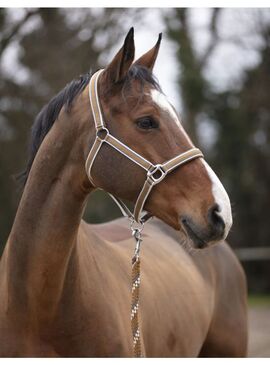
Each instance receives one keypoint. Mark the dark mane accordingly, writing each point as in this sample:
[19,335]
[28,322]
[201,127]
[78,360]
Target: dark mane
[49,113]
[143,75]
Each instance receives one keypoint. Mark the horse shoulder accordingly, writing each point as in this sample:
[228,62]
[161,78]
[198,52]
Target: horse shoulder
[227,335]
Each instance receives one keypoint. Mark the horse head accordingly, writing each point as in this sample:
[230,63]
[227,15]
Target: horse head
[191,198]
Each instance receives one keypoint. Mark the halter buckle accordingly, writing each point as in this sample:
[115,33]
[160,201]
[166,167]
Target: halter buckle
[158,170]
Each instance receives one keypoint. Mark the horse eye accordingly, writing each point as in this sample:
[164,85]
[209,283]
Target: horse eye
[147,123]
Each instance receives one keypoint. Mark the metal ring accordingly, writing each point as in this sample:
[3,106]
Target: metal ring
[157,168]
[136,226]
[100,133]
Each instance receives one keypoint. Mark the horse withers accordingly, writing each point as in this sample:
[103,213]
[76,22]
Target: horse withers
[65,284]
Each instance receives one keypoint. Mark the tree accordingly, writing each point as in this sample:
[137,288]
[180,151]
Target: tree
[55,46]
[241,118]
[194,87]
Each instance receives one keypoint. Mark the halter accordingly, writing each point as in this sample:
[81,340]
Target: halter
[154,175]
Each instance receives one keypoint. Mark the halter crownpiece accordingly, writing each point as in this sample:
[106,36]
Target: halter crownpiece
[154,173]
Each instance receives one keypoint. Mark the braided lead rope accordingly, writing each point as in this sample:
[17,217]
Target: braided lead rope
[136,280]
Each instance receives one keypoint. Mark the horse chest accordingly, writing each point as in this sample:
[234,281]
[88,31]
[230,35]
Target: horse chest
[95,326]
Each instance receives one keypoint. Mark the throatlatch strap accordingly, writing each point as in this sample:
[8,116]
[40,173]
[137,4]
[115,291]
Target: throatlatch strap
[91,158]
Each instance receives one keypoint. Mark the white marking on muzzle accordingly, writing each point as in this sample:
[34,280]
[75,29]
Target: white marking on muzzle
[218,191]
[221,198]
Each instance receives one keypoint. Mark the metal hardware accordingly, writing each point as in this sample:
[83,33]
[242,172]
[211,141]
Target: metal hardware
[136,233]
[102,133]
[157,169]
[136,226]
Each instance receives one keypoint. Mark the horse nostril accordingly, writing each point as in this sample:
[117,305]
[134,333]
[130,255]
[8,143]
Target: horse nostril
[216,221]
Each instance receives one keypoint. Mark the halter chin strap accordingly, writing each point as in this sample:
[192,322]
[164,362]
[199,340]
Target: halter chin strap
[154,173]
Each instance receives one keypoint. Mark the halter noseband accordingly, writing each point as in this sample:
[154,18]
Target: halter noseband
[154,173]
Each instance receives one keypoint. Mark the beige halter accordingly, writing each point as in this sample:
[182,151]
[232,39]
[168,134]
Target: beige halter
[154,173]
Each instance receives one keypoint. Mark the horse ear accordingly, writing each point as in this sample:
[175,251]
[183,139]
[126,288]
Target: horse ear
[122,61]
[149,58]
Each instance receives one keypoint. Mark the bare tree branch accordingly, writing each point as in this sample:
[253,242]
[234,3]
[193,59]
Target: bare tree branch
[215,37]
[7,38]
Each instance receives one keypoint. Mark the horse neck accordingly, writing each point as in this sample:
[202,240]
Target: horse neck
[45,229]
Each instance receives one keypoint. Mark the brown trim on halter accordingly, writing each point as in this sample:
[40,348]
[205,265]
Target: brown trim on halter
[103,136]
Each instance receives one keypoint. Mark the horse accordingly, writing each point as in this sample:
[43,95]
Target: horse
[66,285]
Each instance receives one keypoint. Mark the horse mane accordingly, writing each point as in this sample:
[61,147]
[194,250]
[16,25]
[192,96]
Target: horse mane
[49,113]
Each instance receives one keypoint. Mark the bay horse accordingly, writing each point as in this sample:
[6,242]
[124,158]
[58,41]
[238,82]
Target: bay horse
[65,284]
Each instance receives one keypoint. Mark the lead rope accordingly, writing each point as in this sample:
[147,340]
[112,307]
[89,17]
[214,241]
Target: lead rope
[136,230]
[136,281]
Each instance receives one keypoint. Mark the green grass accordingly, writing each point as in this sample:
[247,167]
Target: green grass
[256,300]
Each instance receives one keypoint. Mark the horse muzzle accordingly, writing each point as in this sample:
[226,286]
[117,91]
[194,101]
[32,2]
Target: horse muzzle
[213,232]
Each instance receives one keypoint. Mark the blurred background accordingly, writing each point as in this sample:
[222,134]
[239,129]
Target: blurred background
[214,65]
